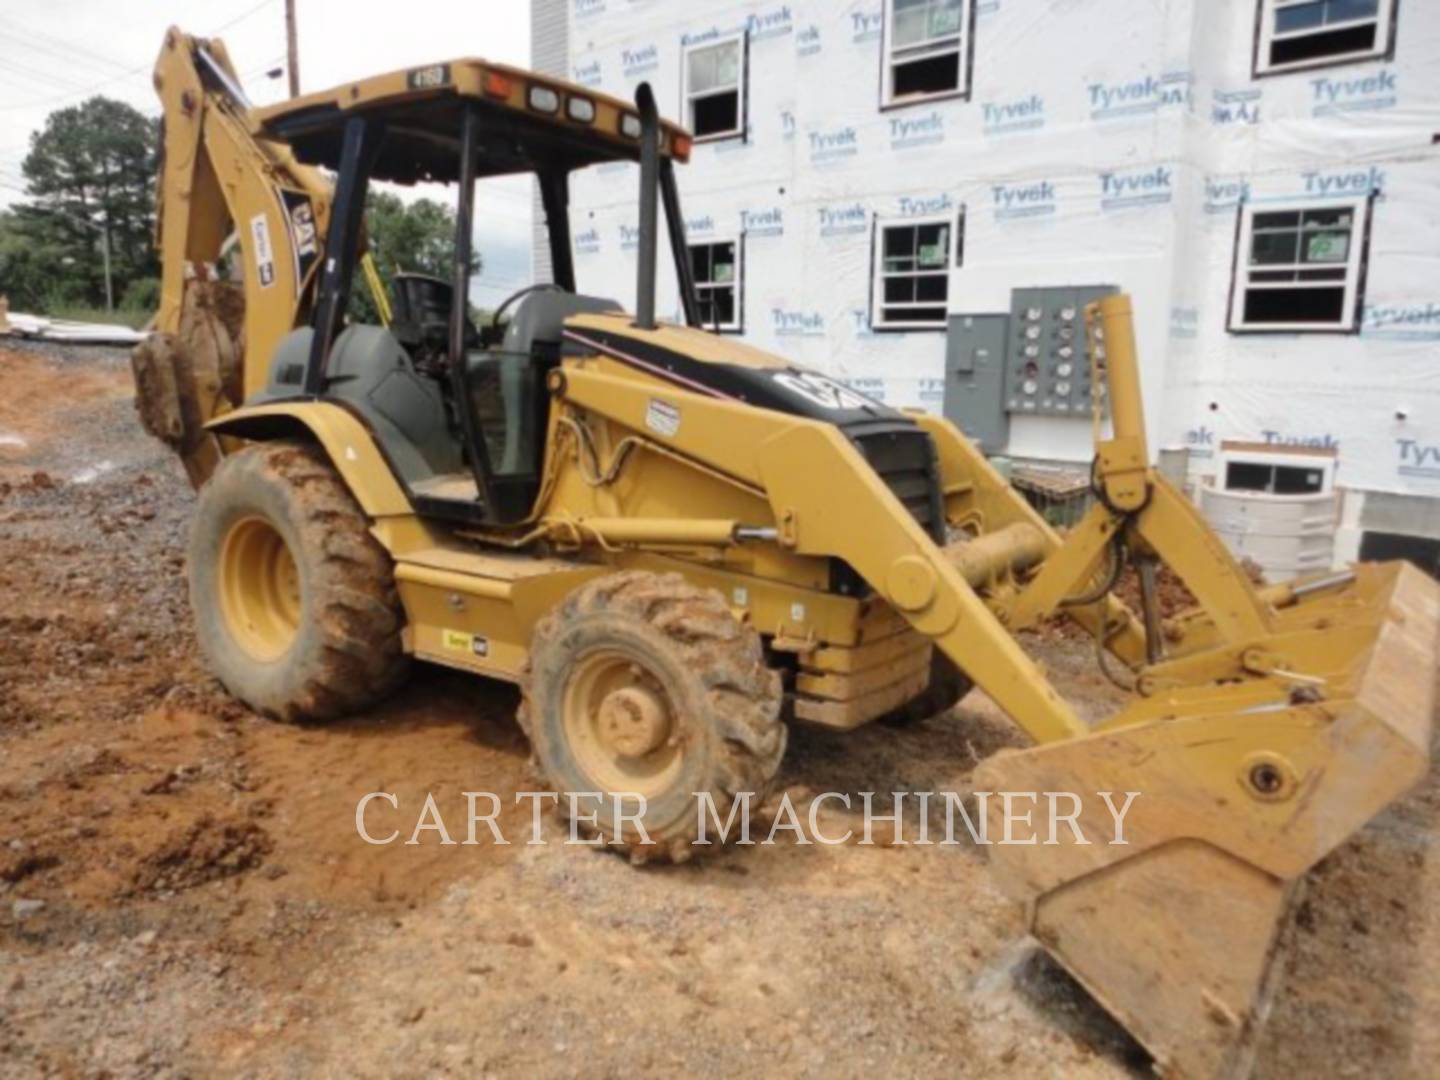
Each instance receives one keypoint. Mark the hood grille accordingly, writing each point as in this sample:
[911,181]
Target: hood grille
[904,458]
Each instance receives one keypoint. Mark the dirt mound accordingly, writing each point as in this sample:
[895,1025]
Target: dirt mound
[208,850]
[1172,596]
[183,891]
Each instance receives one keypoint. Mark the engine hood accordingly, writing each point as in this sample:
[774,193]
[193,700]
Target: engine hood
[898,449]
[707,363]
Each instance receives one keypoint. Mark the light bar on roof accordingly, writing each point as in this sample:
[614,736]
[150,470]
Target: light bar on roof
[581,110]
[543,99]
[496,84]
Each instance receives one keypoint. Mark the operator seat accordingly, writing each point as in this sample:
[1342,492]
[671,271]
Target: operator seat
[422,316]
[531,347]
[539,318]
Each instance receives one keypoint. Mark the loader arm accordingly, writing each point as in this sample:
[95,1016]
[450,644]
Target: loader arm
[220,184]
[891,551]
[1268,726]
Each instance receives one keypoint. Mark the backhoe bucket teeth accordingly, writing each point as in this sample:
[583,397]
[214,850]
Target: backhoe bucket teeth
[1242,787]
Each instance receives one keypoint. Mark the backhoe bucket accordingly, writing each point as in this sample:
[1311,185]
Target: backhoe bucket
[1174,924]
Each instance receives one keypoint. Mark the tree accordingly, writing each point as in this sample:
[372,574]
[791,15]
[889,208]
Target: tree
[413,238]
[94,162]
[33,274]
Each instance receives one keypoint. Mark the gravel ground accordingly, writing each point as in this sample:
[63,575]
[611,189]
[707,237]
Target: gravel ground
[182,890]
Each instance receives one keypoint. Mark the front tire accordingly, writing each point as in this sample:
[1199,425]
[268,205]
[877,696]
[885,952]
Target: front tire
[643,683]
[295,604]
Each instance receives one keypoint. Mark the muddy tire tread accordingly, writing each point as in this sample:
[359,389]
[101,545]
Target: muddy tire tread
[745,695]
[357,607]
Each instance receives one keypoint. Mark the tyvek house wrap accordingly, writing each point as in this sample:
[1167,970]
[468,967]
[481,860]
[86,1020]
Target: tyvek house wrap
[1099,143]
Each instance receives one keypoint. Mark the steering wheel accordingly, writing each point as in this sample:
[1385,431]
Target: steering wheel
[519,295]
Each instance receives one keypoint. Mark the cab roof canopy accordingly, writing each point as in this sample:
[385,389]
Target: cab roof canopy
[530,123]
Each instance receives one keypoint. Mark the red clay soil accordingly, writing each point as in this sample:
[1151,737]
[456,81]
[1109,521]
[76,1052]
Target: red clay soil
[183,890]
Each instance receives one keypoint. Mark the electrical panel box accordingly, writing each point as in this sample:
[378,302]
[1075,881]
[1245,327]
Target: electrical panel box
[1047,367]
[975,378]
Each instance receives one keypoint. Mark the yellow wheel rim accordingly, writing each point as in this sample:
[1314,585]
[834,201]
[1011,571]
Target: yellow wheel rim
[260,593]
[620,725]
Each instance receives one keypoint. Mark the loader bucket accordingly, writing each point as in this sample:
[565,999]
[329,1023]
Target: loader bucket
[1242,787]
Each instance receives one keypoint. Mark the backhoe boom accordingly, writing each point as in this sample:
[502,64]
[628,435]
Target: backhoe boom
[223,194]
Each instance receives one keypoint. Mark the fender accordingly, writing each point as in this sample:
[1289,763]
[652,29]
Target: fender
[346,441]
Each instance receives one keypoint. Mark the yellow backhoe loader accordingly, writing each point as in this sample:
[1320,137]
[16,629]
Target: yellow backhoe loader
[678,545]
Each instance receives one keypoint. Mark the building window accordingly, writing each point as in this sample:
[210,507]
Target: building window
[714,81]
[926,49]
[717,271]
[1273,479]
[912,273]
[1296,34]
[1300,267]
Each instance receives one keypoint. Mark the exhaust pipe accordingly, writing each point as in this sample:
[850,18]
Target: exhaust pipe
[649,189]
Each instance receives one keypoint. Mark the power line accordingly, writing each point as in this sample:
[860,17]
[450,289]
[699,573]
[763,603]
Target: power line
[22,82]
[31,75]
[132,72]
[241,18]
[46,102]
[71,49]
[58,53]
[263,69]
[12,81]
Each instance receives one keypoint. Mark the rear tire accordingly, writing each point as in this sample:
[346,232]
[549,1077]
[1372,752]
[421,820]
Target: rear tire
[294,601]
[644,683]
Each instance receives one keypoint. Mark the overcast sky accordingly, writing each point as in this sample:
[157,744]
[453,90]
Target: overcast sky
[55,53]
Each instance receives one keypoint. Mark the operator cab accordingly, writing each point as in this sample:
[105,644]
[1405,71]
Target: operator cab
[459,405]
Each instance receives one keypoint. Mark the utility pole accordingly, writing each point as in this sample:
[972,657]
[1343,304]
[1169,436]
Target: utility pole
[292,48]
[109,284]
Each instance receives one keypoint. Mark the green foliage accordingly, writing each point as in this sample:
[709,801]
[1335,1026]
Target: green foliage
[142,294]
[94,162]
[414,238]
[32,273]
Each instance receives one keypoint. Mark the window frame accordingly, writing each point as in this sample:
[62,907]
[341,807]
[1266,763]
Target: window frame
[878,275]
[1356,265]
[738,283]
[965,52]
[1386,17]
[1277,456]
[742,87]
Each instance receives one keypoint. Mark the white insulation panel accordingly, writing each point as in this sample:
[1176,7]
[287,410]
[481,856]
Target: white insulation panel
[1100,142]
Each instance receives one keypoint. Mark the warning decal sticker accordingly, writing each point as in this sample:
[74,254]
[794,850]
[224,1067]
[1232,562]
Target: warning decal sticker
[264,254]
